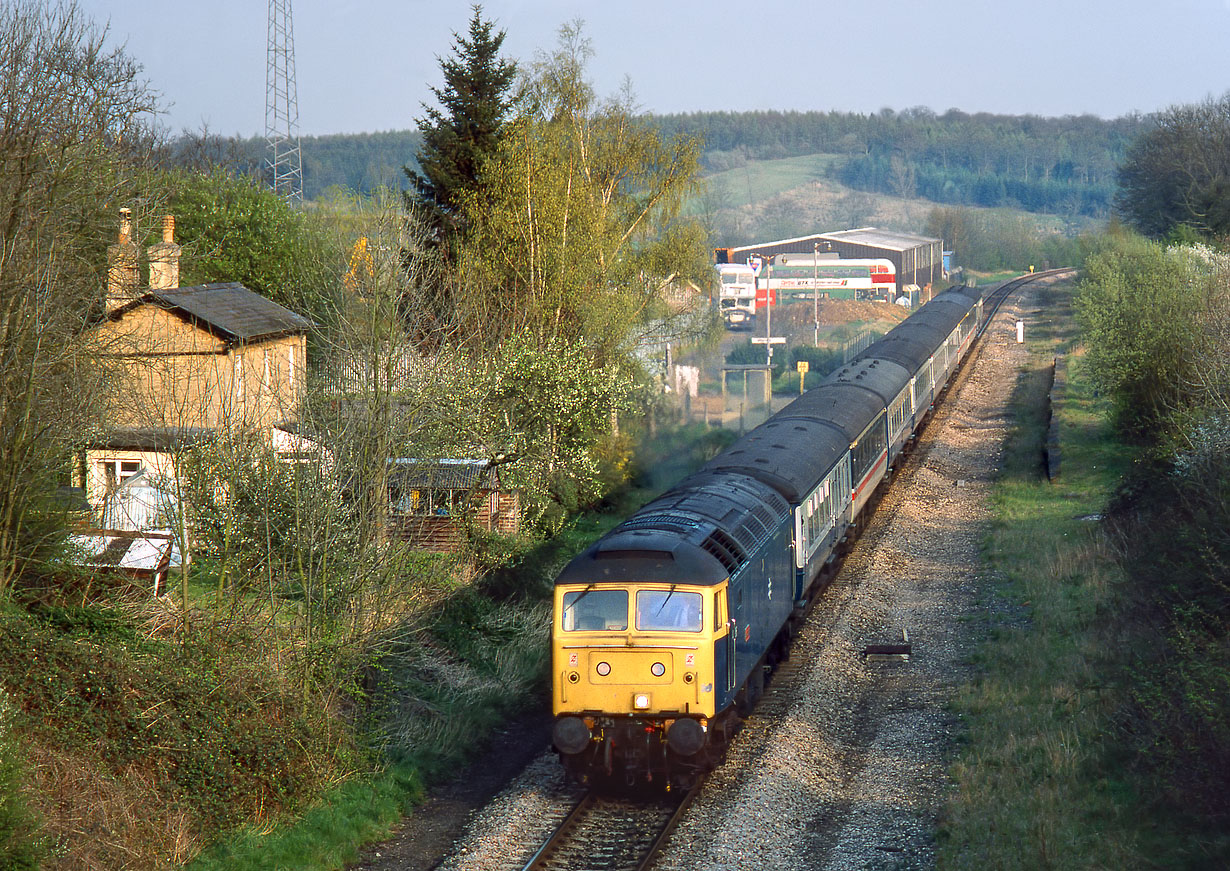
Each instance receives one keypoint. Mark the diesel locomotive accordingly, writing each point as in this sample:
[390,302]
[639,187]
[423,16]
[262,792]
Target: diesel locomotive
[664,629]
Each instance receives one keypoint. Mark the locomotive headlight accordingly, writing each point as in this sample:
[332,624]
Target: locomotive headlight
[657,669]
[604,668]
[640,701]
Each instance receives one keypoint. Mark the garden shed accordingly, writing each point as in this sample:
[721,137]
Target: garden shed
[433,502]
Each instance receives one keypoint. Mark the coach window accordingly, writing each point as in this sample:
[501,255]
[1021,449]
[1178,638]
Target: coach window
[593,610]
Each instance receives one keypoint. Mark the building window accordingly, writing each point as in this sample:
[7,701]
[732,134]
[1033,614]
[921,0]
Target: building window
[427,503]
[116,472]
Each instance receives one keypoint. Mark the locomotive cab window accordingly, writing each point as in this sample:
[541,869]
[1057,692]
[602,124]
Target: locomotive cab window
[595,610]
[668,610]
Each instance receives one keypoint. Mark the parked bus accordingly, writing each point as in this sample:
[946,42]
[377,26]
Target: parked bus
[737,294]
[795,275]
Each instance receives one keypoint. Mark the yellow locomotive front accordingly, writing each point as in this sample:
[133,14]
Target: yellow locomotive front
[634,678]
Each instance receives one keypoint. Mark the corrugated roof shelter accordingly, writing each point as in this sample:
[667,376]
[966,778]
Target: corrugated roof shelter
[431,502]
[887,240]
[443,474]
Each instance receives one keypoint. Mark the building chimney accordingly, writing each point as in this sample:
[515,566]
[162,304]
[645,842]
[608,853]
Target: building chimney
[164,258]
[123,271]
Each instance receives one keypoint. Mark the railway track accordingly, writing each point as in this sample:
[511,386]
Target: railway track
[991,306]
[605,833]
[996,297]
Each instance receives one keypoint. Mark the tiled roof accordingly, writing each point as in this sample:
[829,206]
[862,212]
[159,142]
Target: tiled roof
[152,438]
[231,311]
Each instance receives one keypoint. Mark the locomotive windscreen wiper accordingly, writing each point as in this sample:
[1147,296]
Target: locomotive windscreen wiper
[669,593]
[584,593]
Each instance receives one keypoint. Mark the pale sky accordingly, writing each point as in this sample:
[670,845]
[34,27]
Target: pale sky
[366,65]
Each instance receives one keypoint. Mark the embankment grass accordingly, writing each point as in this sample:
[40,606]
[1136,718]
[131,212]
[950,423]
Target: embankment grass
[1039,782]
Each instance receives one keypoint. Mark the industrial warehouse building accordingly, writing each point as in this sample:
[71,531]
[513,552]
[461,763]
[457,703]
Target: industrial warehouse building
[918,259]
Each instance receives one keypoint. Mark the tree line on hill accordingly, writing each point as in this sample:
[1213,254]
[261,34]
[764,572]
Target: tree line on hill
[1059,165]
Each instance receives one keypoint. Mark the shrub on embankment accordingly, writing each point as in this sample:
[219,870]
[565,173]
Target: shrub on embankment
[1157,323]
[137,750]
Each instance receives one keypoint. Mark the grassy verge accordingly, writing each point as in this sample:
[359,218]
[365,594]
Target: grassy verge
[1040,782]
[987,278]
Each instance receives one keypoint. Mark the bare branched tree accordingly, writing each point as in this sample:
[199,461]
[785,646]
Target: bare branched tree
[73,127]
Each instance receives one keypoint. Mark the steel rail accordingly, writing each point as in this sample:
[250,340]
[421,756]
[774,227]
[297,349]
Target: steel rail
[1001,293]
[561,833]
[593,804]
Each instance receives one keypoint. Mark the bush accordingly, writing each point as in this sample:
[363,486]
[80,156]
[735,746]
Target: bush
[1143,310]
[193,737]
[1174,530]
[1154,319]
[18,847]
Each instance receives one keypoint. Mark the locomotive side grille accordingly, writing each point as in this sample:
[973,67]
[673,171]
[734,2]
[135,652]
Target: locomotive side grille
[725,548]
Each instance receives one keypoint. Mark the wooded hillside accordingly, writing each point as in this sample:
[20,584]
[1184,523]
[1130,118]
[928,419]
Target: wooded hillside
[1061,165]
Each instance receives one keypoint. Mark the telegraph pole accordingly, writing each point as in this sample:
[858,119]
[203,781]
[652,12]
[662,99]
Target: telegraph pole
[815,289]
[285,162]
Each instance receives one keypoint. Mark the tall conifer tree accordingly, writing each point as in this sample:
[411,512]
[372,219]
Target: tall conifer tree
[460,135]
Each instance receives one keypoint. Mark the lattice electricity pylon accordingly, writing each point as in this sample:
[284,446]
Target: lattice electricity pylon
[282,105]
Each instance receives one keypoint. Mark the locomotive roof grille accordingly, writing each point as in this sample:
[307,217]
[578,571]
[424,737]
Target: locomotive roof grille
[660,521]
[765,518]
